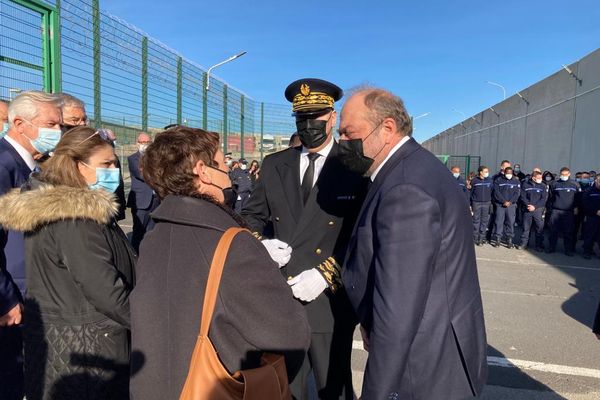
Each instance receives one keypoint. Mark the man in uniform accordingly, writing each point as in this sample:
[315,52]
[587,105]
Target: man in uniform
[313,201]
[534,194]
[590,203]
[505,195]
[240,180]
[460,181]
[481,198]
[562,203]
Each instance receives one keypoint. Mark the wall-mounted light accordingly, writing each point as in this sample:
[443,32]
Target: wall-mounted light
[572,74]
[494,111]
[523,98]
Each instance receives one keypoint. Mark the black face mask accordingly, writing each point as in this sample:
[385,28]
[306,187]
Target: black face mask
[312,132]
[350,154]
[230,195]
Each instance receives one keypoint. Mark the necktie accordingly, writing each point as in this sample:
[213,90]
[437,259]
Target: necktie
[309,174]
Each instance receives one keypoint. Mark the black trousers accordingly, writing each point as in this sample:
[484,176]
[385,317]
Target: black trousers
[481,219]
[591,233]
[562,223]
[533,218]
[142,223]
[11,363]
[330,358]
[505,221]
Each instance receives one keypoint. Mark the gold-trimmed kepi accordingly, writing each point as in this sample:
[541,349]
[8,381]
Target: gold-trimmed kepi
[312,96]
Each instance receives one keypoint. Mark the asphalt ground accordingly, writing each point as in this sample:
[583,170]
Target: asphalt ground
[539,309]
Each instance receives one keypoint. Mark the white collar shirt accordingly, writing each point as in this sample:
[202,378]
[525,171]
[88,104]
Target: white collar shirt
[25,155]
[319,162]
[390,154]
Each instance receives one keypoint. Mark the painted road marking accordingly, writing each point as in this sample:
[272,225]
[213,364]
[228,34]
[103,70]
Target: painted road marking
[527,263]
[526,365]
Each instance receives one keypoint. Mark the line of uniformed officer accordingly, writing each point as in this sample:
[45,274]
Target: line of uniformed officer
[534,194]
[505,195]
[562,203]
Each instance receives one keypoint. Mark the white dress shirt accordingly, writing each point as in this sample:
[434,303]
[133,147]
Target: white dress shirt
[25,155]
[391,153]
[319,162]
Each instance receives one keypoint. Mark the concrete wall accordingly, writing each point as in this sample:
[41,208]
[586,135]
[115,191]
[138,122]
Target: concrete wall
[556,123]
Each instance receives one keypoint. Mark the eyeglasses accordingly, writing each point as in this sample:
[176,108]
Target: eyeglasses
[105,134]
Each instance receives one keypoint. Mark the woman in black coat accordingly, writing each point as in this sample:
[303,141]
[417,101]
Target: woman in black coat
[80,271]
[255,310]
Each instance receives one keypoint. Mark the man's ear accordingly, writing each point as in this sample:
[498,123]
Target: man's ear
[200,171]
[389,128]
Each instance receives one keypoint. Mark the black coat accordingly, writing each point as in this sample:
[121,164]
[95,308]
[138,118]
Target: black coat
[140,195]
[411,275]
[255,310]
[315,231]
[80,271]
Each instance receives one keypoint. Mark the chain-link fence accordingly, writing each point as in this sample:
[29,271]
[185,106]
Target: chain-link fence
[130,82]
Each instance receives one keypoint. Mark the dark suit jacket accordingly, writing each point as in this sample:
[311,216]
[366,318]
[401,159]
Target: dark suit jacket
[13,173]
[140,195]
[315,231]
[411,275]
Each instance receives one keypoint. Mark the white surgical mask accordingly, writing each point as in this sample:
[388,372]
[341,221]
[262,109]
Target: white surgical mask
[564,178]
[537,180]
[243,167]
[486,174]
[456,174]
[142,147]
[508,176]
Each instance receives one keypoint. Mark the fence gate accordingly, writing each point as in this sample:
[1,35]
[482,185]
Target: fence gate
[29,47]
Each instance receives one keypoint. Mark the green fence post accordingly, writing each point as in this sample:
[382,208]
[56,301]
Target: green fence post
[204,101]
[179,88]
[145,83]
[225,124]
[97,69]
[242,128]
[55,55]
[468,166]
[262,130]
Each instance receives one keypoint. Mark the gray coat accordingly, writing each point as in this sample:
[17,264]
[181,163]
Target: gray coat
[255,310]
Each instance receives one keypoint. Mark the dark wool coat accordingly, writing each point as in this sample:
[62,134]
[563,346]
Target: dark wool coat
[255,310]
[80,271]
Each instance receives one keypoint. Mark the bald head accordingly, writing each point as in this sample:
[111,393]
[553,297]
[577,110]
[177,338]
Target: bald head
[144,138]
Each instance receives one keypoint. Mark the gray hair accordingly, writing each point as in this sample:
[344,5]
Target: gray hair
[71,101]
[4,102]
[384,104]
[25,105]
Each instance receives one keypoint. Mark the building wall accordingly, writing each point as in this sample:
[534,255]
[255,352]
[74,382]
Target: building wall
[556,123]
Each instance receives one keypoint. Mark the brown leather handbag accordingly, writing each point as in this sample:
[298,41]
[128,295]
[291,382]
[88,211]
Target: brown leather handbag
[207,378]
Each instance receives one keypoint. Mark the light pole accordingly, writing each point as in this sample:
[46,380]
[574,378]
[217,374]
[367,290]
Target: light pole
[500,86]
[206,85]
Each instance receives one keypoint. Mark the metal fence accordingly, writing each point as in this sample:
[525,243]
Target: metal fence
[130,82]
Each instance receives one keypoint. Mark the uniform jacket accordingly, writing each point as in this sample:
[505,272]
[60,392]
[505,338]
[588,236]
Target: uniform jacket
[411,275]
[481,190]
[463,186]
[80,271]
[563,195]
[13,173]
[590,201]
[255,310]
[241,180]
[506,190]
[318,232]
[140,195]
[534,194]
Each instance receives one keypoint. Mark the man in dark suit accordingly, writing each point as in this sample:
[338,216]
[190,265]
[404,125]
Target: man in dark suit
[34,129]
[410,270]
[312,201]
[142,200]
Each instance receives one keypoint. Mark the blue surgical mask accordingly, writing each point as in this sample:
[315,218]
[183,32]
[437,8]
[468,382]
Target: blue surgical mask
[47,139]
[4,130]
[106,178]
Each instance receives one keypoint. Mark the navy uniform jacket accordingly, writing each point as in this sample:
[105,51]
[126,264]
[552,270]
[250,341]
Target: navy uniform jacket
[463,186]
[563,195]
[241,180]
[481,190]
[534,194]
[318,232]
[506,190]
[590,201]
[411,275]
[13,173]
[140,195]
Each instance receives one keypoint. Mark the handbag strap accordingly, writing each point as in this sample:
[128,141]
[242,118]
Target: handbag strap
[214,278]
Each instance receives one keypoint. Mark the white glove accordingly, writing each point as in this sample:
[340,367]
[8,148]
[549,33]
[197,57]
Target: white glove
[308,285]
[279,251]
